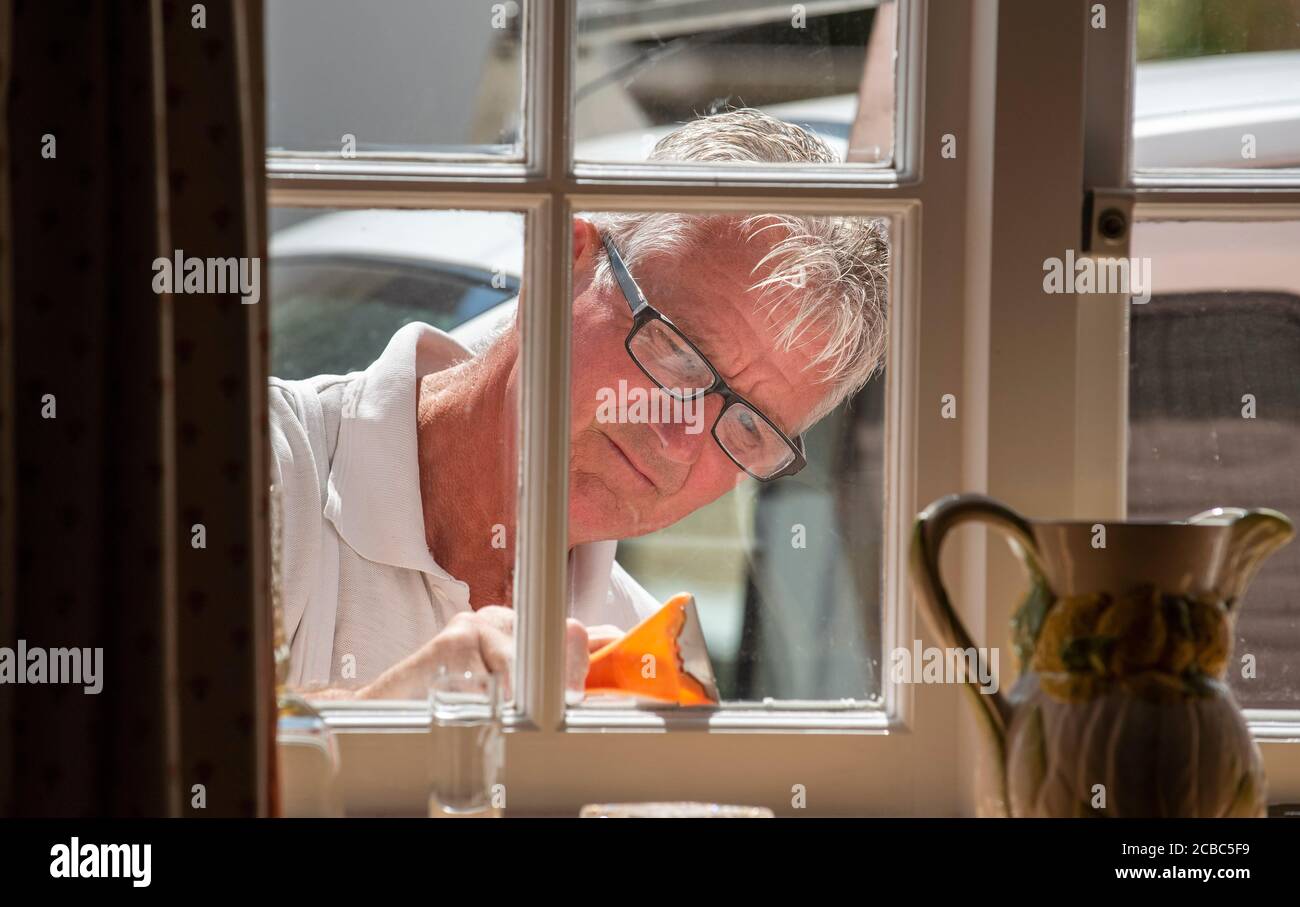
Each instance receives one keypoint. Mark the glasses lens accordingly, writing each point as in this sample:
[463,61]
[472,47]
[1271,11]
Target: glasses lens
[669,359]
[753,442]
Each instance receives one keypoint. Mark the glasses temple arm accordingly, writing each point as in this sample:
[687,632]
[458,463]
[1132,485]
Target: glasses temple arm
[631,292]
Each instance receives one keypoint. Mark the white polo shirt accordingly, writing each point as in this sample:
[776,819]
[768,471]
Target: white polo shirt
[358,578]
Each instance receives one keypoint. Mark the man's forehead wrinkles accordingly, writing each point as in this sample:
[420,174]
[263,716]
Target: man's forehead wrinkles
[718,325]
[702,328]
[683,306]
[702,309]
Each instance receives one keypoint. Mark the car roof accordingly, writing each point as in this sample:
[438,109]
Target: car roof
[1222,82]
[474,239]
[1196,112]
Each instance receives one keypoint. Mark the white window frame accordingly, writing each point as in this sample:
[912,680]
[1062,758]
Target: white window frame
[961,292]
[620,755]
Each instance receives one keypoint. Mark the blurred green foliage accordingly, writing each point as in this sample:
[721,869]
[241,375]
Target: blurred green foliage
[1168,29]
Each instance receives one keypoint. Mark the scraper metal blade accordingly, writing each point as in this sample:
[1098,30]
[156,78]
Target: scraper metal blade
[695,652]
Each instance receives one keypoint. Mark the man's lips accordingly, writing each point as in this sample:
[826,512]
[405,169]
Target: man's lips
[622,452]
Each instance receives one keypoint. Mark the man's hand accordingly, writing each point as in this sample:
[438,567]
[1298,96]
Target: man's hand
[482,640]
[601,635]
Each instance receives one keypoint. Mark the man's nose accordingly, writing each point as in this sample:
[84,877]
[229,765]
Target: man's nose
[683,426]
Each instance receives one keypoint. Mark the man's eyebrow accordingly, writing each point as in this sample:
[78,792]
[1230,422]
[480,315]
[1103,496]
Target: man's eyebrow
[691,327]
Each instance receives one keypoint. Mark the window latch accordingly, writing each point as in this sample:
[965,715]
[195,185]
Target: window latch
[1107,221]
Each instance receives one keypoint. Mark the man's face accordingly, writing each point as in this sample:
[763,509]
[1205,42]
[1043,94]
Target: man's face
[628,478]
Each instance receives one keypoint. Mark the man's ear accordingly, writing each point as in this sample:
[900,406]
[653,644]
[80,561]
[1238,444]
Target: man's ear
[586,243]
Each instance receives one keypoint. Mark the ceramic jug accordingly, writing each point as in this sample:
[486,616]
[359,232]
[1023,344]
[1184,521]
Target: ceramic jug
[1124,639]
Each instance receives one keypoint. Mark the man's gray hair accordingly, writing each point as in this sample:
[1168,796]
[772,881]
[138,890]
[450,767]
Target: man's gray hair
[826,274]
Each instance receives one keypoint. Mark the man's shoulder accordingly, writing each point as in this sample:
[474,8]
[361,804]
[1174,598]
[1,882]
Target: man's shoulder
[295,393]
[304,418]
[310,406]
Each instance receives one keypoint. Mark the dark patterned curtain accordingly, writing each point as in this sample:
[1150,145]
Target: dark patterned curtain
[132,422]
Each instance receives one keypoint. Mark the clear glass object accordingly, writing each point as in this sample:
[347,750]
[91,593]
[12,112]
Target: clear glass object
[1214,410]
[1217,85]
[467,748]
[343,282]
[641,69]
[787,576]
[399,80]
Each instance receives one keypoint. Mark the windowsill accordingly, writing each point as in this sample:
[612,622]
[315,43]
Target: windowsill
[1274,725]
[785,716]
[384,756]
[1280,725]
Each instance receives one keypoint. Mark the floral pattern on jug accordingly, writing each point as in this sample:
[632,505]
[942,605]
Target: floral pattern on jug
[1122,708]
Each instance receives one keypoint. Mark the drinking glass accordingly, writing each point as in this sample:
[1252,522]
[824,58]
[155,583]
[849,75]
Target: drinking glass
[468,749]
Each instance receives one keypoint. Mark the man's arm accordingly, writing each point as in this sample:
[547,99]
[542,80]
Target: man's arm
[478,641]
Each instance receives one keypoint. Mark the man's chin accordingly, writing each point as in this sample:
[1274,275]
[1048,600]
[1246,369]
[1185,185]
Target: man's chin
[597,513]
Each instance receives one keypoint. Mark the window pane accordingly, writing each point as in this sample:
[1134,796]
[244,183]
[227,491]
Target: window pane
[399,474]
[786,575]
[1217,84]
[1215,411]
[645,67]
[406,78]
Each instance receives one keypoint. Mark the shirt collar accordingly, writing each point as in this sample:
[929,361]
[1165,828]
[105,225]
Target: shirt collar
[374,489]
[374,486]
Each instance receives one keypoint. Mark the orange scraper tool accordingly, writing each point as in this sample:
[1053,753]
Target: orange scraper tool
[662,658]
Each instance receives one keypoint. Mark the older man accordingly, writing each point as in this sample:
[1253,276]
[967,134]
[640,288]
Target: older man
[399,482]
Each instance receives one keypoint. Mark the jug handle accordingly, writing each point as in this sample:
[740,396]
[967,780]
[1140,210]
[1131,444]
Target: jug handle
[932,527]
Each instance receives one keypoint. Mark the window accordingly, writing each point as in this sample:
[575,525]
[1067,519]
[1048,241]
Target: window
[345,281]
[448,82]
[1211,112]
[1214,411]
[647,66]
[786,575]
[355,230]
[1052,404]
[1217,86]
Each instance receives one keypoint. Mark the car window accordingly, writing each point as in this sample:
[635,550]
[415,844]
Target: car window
[333,315]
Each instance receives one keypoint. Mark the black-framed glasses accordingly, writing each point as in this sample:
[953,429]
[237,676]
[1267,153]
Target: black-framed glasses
[679,369]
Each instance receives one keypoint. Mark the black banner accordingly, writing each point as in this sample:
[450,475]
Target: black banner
[369,856]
